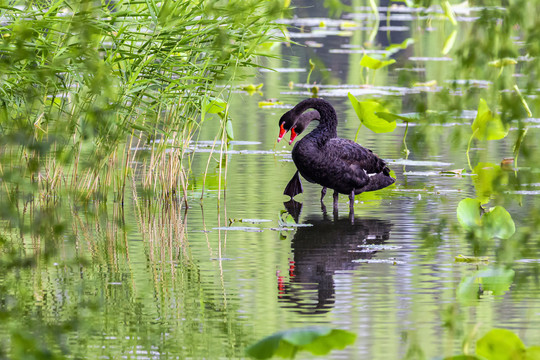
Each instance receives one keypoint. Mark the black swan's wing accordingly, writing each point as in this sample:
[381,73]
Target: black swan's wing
[361,157]
[294,187]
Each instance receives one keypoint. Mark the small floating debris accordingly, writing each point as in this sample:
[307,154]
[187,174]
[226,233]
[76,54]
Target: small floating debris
[421,173]
[239,228]
[452,172]
[252,221]
[282,229]
[418,162]
[313,44]
[523,192]
[284,70]
[426,58]
[380,261]
[381,247]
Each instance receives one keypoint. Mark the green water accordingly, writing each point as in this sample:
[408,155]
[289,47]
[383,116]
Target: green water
[155,280]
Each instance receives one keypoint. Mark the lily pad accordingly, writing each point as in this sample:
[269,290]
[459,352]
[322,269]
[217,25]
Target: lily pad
[500,344]
[488,176]
[319,340]
[494,281]
[498,223]
[366,112]
[495,222]
[469,212]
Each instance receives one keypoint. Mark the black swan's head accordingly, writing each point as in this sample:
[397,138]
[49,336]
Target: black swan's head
[295,124]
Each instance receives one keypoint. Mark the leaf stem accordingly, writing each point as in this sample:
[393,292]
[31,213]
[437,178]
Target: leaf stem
[469,148]
[357,132]
[406,150]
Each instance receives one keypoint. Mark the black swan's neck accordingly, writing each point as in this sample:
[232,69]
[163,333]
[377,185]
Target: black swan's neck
[327,127]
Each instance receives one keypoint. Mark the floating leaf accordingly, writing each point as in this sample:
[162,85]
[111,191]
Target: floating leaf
[269,103]
[453,172]
[318,340]
[500,344]
[252,89]
[494,223]
[469,212]
[375,64]
[502,62]
[348,24]
[494,281]
[366,112]
[471,259]
[498,223]
[431,83]
[487,125]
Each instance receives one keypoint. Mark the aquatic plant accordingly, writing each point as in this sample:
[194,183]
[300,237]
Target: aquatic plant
[89,92]
[500,344]
[319,340]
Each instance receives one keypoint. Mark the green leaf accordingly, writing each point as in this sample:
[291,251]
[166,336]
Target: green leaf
[366,112]
[388,116]
[498,223]
[448,12]
[214,106]
[449,43]
[375,64]
[471,259]
[469,213]
[319,340]
[488,176]
[266,348]
[464,357]
[394,48]
[493,281]
[499,63]
[500,344]
[533,353]
[487,125]
[229,130]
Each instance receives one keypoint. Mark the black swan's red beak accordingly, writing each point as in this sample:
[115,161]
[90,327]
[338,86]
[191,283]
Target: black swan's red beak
[293,136]
[282,132]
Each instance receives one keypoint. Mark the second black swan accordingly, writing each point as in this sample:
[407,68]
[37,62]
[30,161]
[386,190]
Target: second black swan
[323,158]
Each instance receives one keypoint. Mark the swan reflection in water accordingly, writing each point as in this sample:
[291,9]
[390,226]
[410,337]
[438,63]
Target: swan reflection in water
[321,250]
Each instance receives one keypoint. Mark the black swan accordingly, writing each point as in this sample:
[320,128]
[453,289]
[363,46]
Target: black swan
[294,186]
[323,158]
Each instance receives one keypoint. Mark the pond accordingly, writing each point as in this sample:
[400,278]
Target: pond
[242,261]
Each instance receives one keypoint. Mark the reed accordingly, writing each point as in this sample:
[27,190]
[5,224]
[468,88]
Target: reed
[92,94]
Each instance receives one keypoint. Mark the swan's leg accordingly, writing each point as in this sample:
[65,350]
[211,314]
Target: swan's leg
[336,196]
[351,202]
[351,207]
[323,208]
[323,193]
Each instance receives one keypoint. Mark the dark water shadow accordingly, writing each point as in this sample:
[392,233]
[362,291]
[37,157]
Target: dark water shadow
[321,250]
